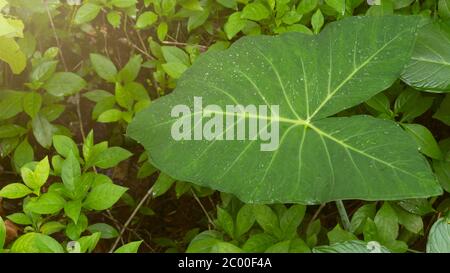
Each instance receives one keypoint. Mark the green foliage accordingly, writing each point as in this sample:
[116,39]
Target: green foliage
[72,68]
[353,157]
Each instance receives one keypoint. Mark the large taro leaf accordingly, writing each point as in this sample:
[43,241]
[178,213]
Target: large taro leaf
[429,68]
[319,158]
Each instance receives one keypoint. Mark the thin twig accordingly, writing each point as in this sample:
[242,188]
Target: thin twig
[316,214]
[182,44]
[127,223]
[58,44]
[119,225]
[203,208]
[80,119]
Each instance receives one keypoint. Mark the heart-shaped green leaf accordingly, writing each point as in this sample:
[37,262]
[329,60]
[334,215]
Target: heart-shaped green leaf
[310,78]
[429,68]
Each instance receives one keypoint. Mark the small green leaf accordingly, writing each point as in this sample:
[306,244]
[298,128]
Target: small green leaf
[103,106]
[10,103]
[23,154]
[255,11]
[11,130]
[51,227]
[234,24]
[203,242]
[110,157]
[19,218]
[131,70]
[410,221]
[70,172]
[360,216]
[64,84]
[47,203]
[258,243]
[317,21]
[88,243]
[114,18]
[123,3]
[162,185]
[65,146]
[425,140]
[197,19]
[14,191]
[32,103]
[97,95]
[36,243]
[267,219]
[291,219]
[104,67]
[87,13]
[73,231]
[225,221]
[173,54]
[307,6]
[380,102]
[103,196]
[88,145]
[123,97]
[43,71]
[244,220]
[43,131]
[386,221]
[132,247]
[35,179]
[161,31]
[338,235]
[337,5]
[106,231]
[112,115]
[174,70]
[146,19]
[73,209]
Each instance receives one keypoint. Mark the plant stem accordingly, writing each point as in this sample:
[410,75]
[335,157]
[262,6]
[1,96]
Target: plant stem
[343,215]
[127,223]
